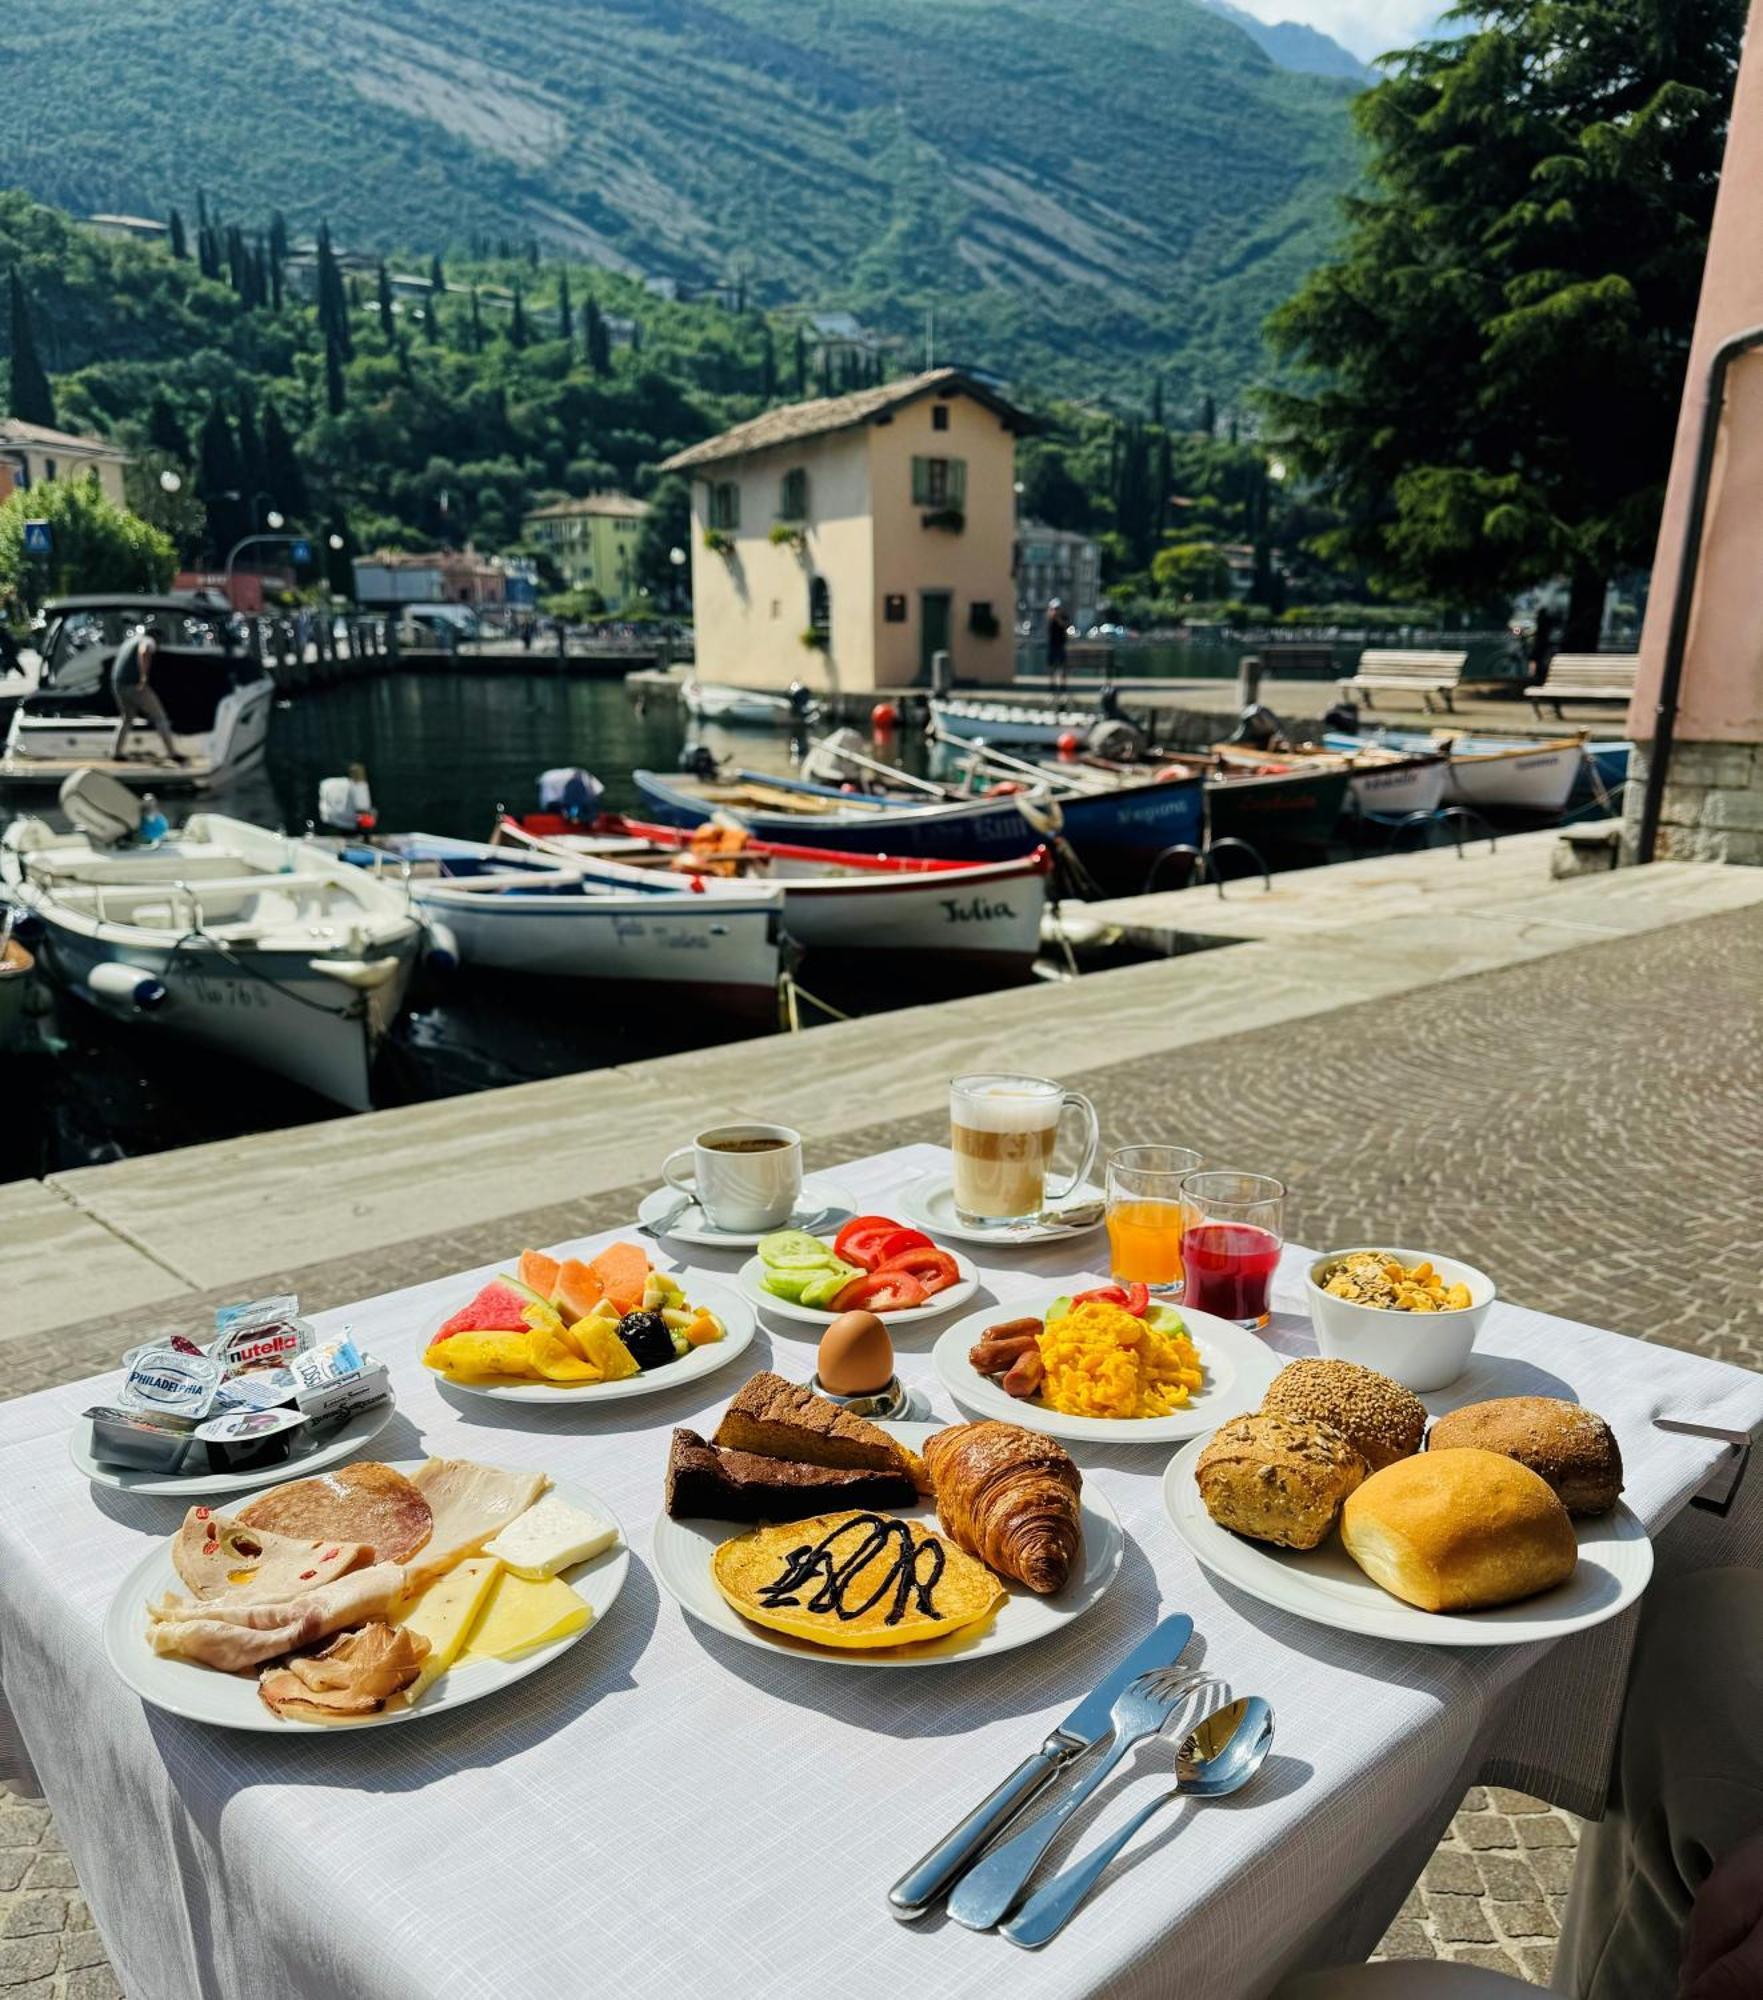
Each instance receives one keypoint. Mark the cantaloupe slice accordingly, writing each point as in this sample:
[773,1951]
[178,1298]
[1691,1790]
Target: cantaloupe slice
[540,1272]
[622,1269]
[578,1289]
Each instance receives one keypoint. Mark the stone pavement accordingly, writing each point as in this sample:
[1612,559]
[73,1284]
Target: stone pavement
[1583,1125]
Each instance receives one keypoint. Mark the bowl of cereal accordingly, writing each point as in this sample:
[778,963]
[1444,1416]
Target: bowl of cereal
[1410,1315]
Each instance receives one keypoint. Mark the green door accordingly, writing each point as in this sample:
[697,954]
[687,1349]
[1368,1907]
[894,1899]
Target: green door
[934,621]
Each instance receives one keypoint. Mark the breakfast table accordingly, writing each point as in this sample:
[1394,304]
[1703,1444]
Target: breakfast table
[663,1811]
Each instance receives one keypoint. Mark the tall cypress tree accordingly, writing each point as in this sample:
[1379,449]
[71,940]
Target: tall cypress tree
[565,314]
[180,244]
[333,303]
[517,319]
[596,339]
[278,236]
[164,432]
[220,483]
[283,476]
[253,475]
[437,278]
[475,330]
[388,325]
[767,363]
[336,395]
[31,399]
[801,384]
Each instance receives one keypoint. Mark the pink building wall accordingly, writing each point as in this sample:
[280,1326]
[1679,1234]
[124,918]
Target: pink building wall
[1721,699]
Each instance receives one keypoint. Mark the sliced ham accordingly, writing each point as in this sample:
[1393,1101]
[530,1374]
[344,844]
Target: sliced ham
[234,1636]
[369,1503]
[355,1675]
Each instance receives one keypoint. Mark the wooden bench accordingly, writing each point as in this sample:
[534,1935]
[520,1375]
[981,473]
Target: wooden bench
[1585,677]
[1424,674]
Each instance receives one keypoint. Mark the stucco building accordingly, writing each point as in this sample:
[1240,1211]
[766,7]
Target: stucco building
[593,542]
[846,541]
[32,453]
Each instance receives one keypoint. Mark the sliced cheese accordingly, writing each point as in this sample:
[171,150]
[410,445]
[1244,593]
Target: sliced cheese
[550,1537]
[519,1616]
[446,1612]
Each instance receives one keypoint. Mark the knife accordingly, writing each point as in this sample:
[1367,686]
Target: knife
[928,1880]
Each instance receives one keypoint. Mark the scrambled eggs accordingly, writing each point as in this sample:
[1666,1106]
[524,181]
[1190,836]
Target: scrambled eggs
[1103,1362]
[1375,1278]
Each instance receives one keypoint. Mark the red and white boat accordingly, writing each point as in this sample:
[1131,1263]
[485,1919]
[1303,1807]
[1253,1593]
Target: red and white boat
[953,918]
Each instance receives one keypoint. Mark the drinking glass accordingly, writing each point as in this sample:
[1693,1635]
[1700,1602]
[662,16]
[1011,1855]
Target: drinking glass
[1002,1131]
[1146,1214]
[1230,1243]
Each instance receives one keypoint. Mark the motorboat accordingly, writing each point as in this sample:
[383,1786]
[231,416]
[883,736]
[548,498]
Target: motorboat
[1511,773]
[928,917]
[1033,725]
[223,934]
[217,699]
[544,914]
[751,708]
[1383,782]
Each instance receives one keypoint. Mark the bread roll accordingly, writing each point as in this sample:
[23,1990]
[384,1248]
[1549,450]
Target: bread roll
[1570,1447]
[1275,1480]
[1380,1419]
[1459,1530]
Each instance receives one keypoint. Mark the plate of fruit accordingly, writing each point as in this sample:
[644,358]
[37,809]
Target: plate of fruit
[593,1330]
[874,1264]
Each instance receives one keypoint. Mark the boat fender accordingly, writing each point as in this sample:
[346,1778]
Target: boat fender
[443,946]
[110,979]
[361,973]
[1043,814]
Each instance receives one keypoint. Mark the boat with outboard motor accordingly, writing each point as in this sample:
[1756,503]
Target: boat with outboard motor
[1512,773]
[748,708]
[223,934]
[217,699]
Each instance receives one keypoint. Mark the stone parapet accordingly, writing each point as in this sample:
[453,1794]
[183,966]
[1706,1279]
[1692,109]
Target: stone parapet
[1713,804]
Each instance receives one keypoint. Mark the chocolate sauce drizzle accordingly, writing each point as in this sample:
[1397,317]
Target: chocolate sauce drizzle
[912,1574]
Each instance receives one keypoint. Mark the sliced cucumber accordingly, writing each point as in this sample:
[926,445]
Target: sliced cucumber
[786,1284]
[1058,1309]
[795,1250]
[1165,1319]
[823,1287]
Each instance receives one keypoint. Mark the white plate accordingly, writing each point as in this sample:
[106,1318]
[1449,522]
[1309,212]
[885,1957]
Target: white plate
[934,1307]
[681,1552]
[931,1204]
[722,1300]
[1326,1586]
[823,1202]
[1238,1365]
[229,1701]
[361,1429]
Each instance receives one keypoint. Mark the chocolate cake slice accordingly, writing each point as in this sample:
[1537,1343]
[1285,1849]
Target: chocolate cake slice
[708,1481]
[785,1420]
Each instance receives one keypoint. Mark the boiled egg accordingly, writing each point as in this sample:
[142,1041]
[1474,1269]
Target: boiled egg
[856,1355]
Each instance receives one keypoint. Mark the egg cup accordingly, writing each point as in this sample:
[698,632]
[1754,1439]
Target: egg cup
[892,1400]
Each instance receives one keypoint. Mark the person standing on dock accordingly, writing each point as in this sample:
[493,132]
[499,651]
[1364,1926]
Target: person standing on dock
[131,682]
[1058,632]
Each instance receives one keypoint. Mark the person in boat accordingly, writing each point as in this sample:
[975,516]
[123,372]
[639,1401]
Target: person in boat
[131,682]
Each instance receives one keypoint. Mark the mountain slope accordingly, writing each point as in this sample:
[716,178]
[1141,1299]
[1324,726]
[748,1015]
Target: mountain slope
[1296,45]
[1071,188]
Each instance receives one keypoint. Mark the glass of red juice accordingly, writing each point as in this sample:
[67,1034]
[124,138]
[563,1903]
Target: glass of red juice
[1231,1241]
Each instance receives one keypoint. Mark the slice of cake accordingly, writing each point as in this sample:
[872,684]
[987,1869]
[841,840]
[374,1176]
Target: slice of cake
[777,1419]
[709,1481]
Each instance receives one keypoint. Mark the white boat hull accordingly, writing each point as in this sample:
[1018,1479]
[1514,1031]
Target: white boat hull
[1518,780]
[43,750]
[1400,788]
[1004,723]
[743,707]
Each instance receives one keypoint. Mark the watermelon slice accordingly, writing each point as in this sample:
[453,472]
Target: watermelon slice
[539,1271]
[577,1290]
[623,1270]
[501,1307]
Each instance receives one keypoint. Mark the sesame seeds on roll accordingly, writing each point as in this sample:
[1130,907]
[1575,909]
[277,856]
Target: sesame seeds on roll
[1378,1417]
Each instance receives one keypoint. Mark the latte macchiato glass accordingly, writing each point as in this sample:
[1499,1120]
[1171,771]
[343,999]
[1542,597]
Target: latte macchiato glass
[1002,1131]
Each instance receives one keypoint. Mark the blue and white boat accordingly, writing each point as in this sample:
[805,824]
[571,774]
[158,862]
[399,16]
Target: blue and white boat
[505,910]
[1512,773]
[1125,825]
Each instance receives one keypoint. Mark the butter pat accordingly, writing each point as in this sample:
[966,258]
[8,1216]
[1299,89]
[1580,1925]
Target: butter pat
[551,1536]
[519,1616]
[445,1613]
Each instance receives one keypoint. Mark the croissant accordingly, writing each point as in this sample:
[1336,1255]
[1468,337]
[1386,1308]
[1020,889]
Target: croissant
[1010,1497]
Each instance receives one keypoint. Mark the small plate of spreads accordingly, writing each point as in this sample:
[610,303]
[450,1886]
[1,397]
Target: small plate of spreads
[868,1569]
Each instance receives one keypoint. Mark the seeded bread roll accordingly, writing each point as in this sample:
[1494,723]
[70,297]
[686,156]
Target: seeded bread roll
[1277,1481]
[1380,1419]
[1459,1530]
[1570,1447]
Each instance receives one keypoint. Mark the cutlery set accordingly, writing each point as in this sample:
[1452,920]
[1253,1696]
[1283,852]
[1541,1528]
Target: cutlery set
[1221,1744]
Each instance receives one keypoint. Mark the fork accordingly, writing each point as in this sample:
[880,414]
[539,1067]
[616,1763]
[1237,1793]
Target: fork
[990,1890]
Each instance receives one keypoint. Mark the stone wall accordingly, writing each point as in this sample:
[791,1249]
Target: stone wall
[1713,808]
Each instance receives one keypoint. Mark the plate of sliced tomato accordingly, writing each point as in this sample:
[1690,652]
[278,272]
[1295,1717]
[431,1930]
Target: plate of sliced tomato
[874,1264]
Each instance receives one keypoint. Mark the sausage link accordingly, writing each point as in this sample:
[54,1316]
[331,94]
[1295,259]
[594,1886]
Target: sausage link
[1025,1376]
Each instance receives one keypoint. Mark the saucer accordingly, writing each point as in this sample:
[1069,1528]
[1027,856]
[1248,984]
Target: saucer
[824,1205]
[931,1204]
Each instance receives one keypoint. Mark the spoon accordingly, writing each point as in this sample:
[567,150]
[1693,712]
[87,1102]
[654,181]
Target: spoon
[1219,1756]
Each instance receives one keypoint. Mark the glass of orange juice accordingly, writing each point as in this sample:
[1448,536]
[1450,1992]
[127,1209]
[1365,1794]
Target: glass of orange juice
[1146,1215]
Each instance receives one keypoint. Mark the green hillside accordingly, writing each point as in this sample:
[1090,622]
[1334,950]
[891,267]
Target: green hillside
[1080,192]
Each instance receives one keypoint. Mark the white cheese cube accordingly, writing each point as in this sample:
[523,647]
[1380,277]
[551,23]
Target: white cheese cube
[551,1536]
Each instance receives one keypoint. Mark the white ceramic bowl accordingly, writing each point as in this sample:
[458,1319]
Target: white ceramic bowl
[1419,1350]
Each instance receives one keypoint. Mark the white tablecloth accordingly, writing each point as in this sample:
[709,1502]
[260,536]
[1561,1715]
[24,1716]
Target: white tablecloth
[663,1812]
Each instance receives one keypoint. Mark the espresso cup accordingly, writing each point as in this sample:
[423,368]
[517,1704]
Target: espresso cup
[1002,1131]
[744,1177]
